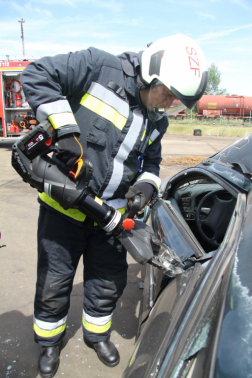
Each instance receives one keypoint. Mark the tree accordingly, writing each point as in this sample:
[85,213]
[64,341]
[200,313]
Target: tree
[214,79]
[212,88]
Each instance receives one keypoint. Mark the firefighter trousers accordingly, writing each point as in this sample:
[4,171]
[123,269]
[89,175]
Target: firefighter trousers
[61,243]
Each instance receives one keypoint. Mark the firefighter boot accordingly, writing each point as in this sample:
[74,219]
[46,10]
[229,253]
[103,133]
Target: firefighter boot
[49,361]
[106,352]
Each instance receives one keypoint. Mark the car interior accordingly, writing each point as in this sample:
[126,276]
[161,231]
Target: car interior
[205,206]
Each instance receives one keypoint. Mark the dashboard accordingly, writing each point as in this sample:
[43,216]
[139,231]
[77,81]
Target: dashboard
[189,195]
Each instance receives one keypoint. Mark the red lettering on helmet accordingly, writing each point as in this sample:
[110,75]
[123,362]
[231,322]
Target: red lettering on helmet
[196,69]
[194,62]
[190,58]
[192,51]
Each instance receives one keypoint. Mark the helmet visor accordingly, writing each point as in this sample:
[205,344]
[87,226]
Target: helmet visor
[162,102]
[176,107]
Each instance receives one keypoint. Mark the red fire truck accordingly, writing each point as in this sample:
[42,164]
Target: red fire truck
[16,116]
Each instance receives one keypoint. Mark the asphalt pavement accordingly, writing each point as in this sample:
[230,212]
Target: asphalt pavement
[18,227]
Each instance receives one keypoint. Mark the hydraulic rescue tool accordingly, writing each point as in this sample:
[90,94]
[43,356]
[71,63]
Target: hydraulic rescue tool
[30,159]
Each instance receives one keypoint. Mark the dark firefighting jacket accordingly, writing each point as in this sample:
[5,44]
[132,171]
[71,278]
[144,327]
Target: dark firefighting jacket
[93,92]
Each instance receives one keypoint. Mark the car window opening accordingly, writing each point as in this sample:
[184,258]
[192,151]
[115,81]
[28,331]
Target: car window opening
[206,207]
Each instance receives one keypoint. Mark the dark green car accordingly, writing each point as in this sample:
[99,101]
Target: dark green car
[198,323]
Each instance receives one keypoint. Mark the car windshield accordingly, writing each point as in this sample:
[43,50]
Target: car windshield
[239,153]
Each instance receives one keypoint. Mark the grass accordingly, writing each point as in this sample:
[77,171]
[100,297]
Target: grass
[209,130]
[212,121]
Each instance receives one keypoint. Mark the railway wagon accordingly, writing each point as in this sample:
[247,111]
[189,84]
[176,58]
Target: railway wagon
[233,107]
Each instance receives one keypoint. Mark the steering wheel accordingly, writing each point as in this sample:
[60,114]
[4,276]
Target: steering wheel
[213,227]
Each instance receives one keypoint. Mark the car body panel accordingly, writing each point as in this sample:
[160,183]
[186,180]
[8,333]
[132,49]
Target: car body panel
[233,163]
[198,324]
[236,178]
[234,356]
[200,329]
[165,342]
[238,152]
[146,356]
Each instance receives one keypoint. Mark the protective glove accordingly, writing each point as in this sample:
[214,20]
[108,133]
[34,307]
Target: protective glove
[144,190]
[70,152]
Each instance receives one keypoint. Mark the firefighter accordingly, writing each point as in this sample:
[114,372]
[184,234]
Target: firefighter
[113,111]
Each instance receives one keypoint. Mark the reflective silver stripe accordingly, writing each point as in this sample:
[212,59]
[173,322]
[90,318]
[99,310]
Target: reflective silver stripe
[123,153]
[49,325]
[109,98]
[150,177]
[117,203]
[155,133]
[45,110]
[113,223]
[47,189]
[97,321]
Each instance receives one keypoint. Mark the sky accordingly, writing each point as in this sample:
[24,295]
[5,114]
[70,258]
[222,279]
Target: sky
[222,28]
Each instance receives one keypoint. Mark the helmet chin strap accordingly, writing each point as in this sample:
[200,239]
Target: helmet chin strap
[140,87]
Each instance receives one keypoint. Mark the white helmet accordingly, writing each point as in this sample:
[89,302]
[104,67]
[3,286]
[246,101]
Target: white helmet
[177,62]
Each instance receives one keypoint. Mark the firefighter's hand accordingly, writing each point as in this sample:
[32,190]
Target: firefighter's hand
[144,190]
[70,152]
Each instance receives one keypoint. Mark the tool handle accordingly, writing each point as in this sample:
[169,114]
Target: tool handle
[134,206]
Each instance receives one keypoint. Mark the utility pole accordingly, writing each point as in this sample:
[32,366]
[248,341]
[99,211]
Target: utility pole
[22,34]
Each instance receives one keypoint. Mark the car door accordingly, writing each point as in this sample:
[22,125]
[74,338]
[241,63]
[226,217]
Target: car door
[177,313]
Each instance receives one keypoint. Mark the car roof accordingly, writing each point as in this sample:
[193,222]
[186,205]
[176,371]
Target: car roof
[233,163]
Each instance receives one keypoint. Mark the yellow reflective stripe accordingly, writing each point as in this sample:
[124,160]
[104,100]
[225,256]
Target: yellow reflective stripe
[143,135]
[72,213]
[96,328]
[97,106]
[133,355]
[150,141]
[46,333]
[231,303]
[122,210]
[62,119]
[98,200]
